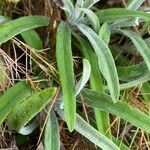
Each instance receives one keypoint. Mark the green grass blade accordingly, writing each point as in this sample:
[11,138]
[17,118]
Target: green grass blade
[52,137]
[17,26]
[12,97]
[28,108]
[66,73]
[140,45]
[93,135]
[105,60]
[120,109]
[32,39]
[85,76]
[117,14]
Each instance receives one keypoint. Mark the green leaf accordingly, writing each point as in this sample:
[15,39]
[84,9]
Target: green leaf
[141,79]
[29,128]
[104,33]
[145,89]
[68,7]
[28,108]
[17,26]
[96,84]
[117,14]
[66,73]
[79,3]
[32,39]
[105,60]
[12,97]
[52,137]
[90,133]
[89,3]
[128,73]
[135,4]
[120,109]
[85,76]
[140,45]
[121,145]
[93,135]
[92,18]
[3,19]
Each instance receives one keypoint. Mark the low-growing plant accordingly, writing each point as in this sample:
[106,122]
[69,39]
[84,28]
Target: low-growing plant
[88,30]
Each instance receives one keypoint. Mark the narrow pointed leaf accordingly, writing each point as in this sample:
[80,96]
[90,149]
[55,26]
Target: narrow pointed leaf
[89,3]
[17,26]
[117,14]
[66,73]
[145,91]
[128,73]
[96,84]
[120,109]
[29,128]
[135,82]
[93,135]
[12,97]
[68,7]
[79,3]
[105,60]
[52,137]
[140,45]
[104,33]
[85,76]
[28,108]
[32,39]
[92,18]
[135,4]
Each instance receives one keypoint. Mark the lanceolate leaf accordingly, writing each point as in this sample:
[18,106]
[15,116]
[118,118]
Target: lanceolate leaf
[3,19]
[145,89]
[28,108]
[17,26]
[90,133]
[85,76]
[135,82]
[89,3]
[117,14]
[92,18]
[67,6]
[105,60]
[96,84]
[52,138]
[12,97]
[120,109]
[93,135]
[127,73]
[140,45]
[32,39]
[104,33]
[135,4]
[29,128]
[65,68]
